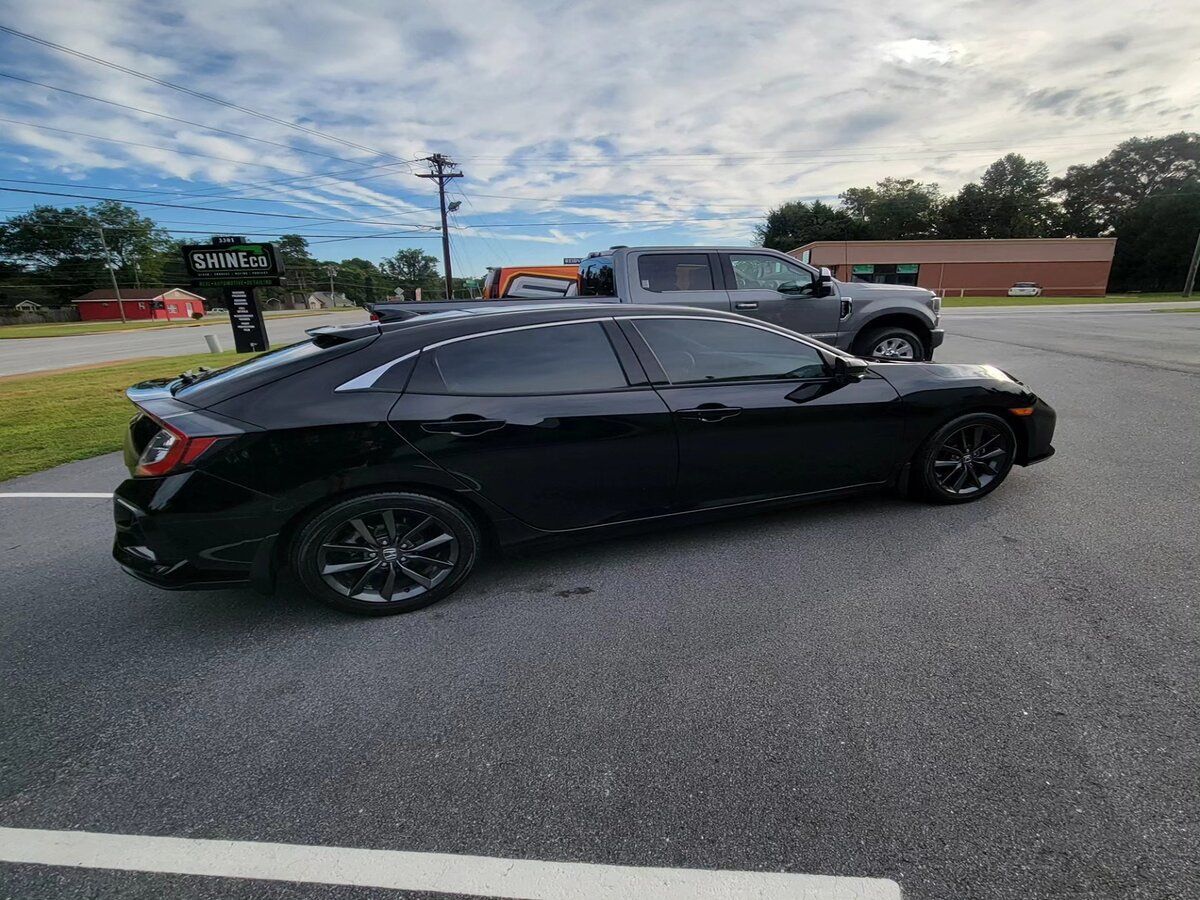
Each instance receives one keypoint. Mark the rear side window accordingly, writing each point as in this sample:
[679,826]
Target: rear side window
[562,359]
[269,360]
[668,272]
[696,351]
[596,277]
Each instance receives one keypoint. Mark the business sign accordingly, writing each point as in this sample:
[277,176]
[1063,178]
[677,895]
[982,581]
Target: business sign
[233,261]
[572,260]
[249,329]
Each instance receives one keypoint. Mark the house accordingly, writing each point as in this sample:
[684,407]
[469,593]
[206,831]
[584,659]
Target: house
[27,306]
[326,300]
[1064,267]
[139,303]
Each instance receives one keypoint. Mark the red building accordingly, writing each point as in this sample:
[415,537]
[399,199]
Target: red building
[1061,267]
[139,303]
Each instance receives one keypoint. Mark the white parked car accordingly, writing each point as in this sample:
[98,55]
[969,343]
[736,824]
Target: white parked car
[1025,289]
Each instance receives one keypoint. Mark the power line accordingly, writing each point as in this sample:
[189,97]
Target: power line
[239,212]
[147,112]
[211,98]
[97,137]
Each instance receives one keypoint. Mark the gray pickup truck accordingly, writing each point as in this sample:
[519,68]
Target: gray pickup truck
[873,320]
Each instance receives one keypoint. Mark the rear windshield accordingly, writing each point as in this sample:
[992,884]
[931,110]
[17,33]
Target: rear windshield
[596,277]
[268,360]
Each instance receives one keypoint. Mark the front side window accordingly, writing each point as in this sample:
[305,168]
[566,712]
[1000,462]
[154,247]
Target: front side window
[596,277]
[696,351]
[561,359]
[757,272]
[667,272]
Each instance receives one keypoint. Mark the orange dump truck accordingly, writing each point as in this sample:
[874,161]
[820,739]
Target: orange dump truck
[531,282]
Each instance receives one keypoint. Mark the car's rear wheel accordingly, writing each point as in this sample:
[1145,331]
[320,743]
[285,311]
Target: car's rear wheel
[965,459]
[890,342]
[385,553]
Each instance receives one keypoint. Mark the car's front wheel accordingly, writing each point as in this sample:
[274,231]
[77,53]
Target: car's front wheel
[965,459]
[385,553]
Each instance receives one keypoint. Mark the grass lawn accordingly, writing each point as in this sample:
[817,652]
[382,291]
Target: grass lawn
[48,419]
[952,302]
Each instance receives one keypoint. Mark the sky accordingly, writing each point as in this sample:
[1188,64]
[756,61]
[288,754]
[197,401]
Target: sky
[577,125]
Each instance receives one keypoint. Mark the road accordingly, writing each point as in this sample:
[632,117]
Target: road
[992,701]
[18,356]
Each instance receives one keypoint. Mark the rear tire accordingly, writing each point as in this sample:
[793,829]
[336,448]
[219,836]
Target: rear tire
[890,342]
[964,460]
[385,553]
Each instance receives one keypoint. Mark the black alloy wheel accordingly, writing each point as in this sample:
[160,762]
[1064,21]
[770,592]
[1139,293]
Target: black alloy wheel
[386,553]
[967,458]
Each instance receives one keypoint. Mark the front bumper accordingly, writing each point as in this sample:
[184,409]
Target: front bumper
[936,336]
[1039,433]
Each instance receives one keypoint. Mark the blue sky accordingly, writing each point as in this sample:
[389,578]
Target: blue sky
[578,125]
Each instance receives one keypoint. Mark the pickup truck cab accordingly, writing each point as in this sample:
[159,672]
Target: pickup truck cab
[888,321]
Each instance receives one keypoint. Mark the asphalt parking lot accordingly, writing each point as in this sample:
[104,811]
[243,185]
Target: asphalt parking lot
[997,700]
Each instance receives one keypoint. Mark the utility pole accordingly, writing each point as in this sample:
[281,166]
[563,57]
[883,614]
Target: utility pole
[1191,275]
[441,166]
[331,271]
[112,273]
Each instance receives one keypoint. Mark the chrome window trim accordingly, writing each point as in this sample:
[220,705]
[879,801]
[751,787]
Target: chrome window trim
[761,326]
[367,380]
[471,337]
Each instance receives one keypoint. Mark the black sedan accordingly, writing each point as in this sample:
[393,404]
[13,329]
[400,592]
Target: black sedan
[377,460]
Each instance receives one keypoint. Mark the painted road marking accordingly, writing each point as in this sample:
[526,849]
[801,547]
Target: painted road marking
[485,876]
[64,494]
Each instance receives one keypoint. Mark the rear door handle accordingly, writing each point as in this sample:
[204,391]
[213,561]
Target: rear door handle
[745,304]
[464,427]
[710,412]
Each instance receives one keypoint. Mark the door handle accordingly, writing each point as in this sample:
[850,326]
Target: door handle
[745,304]
[710,412]
[464,427]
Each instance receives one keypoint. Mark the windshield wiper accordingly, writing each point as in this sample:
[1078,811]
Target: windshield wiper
[191,376]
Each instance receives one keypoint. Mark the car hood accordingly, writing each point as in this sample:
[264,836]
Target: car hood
[868,287]
[907,377]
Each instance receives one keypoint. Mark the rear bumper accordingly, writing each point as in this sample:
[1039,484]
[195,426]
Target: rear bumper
[168,533]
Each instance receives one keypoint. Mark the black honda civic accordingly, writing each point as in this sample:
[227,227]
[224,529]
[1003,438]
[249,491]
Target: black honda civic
[377,460]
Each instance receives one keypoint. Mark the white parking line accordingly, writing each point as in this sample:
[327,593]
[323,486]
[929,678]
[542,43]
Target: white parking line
[485,876]
[65,494]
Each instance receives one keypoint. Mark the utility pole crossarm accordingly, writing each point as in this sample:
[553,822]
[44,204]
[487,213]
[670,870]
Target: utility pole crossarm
[441,166]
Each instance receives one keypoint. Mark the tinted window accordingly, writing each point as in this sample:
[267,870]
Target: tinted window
[694,350]
[555,360]
[303,350]
[665,272]
[754,271]
[596,277]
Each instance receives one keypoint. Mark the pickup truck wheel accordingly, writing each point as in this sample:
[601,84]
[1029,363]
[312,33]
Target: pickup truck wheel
[890,342]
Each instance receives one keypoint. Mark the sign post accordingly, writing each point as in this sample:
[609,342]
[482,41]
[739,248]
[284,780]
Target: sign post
[237,266]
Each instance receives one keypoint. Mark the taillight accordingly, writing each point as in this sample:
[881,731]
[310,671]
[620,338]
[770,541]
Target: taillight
[374,317]
[169,450]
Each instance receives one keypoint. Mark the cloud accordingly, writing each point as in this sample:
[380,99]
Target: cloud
[611,111]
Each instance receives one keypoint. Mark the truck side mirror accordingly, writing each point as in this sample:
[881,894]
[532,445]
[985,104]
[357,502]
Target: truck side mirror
[825,283]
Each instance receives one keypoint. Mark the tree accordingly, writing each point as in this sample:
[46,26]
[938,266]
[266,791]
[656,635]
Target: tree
[412,268]
[1155,239]
[895,209]
[1094,197]
[1011,200]
[62,248]
[797,223]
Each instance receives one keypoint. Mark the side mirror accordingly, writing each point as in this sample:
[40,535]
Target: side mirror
[849,369]
[824,283]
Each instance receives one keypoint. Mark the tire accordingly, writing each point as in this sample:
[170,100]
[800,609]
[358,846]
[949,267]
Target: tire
[901,343]
[351,555]
[986,442]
